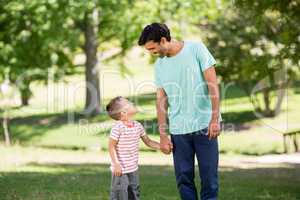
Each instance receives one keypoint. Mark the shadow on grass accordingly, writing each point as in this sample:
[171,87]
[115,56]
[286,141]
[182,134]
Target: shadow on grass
[232,92]
[238,119]
[92,181]
[24,129]
[143,99]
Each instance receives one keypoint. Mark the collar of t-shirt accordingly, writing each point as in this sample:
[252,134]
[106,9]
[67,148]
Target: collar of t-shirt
[129,124]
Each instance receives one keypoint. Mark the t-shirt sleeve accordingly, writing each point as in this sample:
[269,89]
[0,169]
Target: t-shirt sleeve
[204,57]
[115,133]
[157,79]
[141,130]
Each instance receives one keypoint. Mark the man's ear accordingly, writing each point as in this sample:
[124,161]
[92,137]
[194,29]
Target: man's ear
[163,40]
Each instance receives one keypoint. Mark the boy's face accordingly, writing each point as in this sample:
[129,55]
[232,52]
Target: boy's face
[127,107]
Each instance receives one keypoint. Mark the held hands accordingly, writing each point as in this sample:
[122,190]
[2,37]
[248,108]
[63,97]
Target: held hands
[166,145]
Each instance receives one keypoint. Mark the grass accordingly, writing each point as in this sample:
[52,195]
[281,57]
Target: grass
[33,173]
[91,181]
[256,136]
[41,178]
[53,119]
[57,150]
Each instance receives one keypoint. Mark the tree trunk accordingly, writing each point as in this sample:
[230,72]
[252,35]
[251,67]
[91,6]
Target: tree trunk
[92,101]
[266,95]
[25,96]
[6,128]
[281,78]
[24,89]
[280,95]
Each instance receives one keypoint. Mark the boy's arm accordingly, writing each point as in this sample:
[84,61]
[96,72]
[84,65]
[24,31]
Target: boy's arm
[114,158]
[150,143]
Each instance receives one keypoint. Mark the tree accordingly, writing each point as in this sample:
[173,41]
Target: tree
[6,96]
[30,45]
[253,55]
[41,35]
[285,22]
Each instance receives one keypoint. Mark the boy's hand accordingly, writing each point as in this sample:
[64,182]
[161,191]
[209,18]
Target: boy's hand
[117,170]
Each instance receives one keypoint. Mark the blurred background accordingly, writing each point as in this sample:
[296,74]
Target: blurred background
[61,61]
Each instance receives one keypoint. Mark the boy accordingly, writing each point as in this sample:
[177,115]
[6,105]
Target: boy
[123,149]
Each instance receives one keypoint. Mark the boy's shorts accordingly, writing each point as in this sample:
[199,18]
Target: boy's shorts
[125,187]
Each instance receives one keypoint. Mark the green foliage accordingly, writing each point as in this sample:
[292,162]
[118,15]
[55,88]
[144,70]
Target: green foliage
[248,49]
[38,39]
[31,43]
[284,20]
[253,52]
[39,36]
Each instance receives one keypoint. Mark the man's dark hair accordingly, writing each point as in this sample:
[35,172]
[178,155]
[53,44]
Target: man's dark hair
[113,108]
[155,32]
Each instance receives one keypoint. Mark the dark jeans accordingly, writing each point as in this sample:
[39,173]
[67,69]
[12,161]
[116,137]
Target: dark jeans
[186,146]
[125,187]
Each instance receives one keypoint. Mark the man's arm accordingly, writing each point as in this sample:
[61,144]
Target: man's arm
[150,143]
[113,155]
[213,90]
[162,108]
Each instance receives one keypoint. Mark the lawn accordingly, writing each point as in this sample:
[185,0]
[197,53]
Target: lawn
[53,118]
[36,173]
[52,144]
[91,181]
[256,136]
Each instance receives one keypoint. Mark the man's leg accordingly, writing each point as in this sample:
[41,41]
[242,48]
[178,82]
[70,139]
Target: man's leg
[134,186]
[184,164]
[119,186]
[207,153]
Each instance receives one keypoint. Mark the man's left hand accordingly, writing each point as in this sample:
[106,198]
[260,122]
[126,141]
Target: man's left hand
[213,129]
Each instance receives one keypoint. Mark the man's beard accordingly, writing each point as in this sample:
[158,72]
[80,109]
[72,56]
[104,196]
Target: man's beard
[162,54]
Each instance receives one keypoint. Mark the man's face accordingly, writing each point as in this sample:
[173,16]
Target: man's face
[156,48]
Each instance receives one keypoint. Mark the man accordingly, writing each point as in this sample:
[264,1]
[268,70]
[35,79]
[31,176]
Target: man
[187,90]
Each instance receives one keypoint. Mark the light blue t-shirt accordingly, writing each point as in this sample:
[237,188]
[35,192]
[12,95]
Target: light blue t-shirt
[181,76]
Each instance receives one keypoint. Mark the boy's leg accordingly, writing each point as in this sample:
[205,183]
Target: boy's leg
[119,186]
[184,164]
[208,156]
[134,186]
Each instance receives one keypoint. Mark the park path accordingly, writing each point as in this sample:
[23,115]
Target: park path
[23,156]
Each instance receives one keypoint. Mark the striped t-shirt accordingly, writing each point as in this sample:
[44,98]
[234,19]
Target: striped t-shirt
[128,144]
